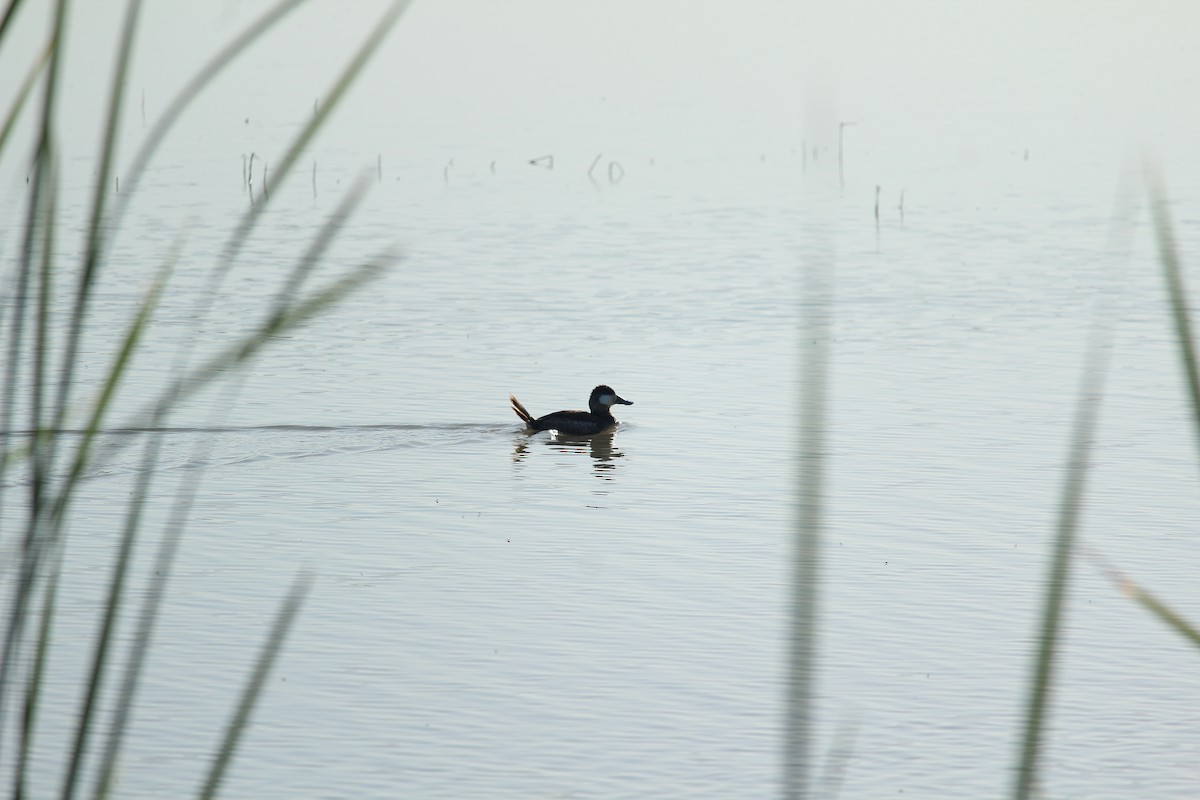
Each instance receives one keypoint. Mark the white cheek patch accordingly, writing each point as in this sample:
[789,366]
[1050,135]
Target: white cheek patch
[606,399]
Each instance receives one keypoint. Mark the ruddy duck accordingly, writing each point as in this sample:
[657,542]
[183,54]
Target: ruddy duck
[576,423]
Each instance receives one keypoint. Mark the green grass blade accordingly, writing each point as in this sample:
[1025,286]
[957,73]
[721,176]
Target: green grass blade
[16,339]
[1087,411]
[43,440]
[42,448]
[144,631]
[115,375]
[10,13]
[162,567]
[10,119]
[1146,600]
[1168,255]
[49,539]
[319,245]
[108,620]
[805,582]
[95,229]
[1161,610]
[30,551]
[33,689]
[266,659]
[116,586]
[35,222]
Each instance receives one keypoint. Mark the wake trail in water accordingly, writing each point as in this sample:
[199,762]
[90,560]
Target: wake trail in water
[450,426]
[216,446]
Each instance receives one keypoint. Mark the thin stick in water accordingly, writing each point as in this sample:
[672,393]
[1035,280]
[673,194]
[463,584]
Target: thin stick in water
[841,174]
[1168,256]
[1087,412]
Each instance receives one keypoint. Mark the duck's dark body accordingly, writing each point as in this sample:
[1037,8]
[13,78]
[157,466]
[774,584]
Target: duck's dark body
[576,423]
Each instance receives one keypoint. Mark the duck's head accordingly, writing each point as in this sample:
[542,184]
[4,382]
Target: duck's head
[603,398]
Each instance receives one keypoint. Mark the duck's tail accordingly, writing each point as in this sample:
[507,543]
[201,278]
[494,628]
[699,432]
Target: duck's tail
[520,411]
